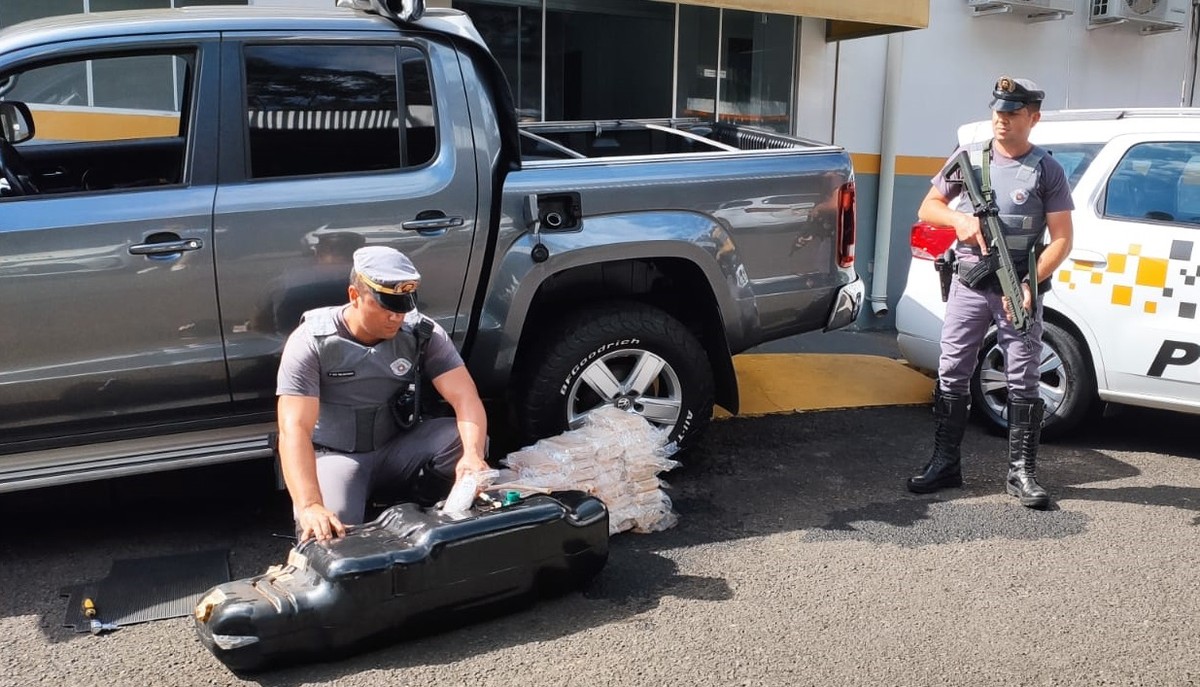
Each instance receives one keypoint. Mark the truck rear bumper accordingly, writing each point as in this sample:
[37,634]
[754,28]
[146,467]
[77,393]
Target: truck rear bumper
[846,306]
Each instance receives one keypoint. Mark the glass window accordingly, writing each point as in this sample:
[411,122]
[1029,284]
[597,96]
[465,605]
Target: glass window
[512,30]
[1187,198]
[1075,158]
[17,11]
[699,35]
[1157,182]
[131,96]
[420,120]
[117,5]
[141,83]
[757,54]
[614,60]
[58,84]
[326,109]
[113,5]
[127,134]
[608,60]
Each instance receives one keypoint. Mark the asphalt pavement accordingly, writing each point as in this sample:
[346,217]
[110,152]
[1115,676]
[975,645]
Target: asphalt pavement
[799,559]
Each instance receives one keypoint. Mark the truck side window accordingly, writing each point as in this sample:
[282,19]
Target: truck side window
[107,122]
[332,109]
[1156,181]
[420,124]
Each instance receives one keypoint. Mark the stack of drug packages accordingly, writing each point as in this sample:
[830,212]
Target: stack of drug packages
[615,456]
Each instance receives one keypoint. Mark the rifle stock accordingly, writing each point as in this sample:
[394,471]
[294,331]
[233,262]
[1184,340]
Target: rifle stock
[993,235]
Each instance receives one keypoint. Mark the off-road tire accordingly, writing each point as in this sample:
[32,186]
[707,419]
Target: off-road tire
[613,334]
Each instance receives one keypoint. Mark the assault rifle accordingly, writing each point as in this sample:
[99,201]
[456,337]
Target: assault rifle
[998,260]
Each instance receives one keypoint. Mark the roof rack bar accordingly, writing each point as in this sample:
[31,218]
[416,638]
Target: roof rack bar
[1119,113]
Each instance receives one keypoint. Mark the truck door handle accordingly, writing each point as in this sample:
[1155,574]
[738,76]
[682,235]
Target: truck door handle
[428,223]
[165,247]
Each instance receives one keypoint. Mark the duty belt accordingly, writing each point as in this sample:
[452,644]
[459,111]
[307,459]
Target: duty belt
[961,268]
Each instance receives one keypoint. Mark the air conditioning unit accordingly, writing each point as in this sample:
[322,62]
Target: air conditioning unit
[1031,10]
[1150,16]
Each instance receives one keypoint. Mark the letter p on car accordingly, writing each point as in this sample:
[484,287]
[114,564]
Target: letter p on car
[1182,353]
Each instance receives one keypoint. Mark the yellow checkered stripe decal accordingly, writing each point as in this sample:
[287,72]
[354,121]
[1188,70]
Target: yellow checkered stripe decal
[1166,285]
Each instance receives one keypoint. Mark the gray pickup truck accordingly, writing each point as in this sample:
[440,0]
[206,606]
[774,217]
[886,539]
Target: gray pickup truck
[179,185]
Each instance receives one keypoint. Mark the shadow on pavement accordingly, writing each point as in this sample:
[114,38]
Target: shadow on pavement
[836,475]
[841,476]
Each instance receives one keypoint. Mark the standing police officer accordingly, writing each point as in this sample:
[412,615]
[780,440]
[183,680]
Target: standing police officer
[1032,195]
[348,419]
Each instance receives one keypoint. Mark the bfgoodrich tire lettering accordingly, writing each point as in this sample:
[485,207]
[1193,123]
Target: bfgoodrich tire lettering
[1067,385]
[631,355]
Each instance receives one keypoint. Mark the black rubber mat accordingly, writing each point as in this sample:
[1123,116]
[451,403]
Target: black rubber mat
[138,590]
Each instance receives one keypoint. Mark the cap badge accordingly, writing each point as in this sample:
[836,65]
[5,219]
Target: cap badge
[407,286]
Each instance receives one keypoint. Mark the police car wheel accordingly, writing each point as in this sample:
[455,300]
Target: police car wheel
[1067,384]
[630,355]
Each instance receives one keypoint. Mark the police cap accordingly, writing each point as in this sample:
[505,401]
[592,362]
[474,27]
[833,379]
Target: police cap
[390,275]
[1011,94]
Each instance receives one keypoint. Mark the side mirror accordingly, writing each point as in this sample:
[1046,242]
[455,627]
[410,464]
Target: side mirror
[16,121]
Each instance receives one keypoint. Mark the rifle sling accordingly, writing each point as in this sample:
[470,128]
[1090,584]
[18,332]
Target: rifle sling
[974,274]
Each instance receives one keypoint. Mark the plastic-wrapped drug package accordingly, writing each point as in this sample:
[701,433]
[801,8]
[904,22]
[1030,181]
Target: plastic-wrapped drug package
[616,456]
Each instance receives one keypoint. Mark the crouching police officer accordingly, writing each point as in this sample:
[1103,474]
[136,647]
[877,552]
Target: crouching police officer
[349,386]
[1032,194]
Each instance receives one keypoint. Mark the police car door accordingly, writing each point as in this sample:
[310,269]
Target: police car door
[332,142]
[1132,275]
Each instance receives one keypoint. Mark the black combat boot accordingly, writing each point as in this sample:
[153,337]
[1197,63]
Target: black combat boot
[1024,431]
[944,468]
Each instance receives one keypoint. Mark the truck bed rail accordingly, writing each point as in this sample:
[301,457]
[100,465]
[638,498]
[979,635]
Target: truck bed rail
[619,137]
[745,138]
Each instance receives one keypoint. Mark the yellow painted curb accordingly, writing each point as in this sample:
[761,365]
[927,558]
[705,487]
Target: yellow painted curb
[787,383]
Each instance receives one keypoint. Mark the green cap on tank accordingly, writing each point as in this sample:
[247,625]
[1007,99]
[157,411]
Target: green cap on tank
[511,497]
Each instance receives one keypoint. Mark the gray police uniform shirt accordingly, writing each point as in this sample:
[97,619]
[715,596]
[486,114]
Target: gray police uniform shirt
[300,372]
[1023,196]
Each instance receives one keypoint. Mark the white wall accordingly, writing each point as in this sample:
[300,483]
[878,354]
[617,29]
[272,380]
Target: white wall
[949,68]
[326,3]
[293,3]
[816,76]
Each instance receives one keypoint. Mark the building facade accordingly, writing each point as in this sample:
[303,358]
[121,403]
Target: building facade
[890,80]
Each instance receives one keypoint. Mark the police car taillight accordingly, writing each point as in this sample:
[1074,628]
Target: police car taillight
[928,241]
[847,224]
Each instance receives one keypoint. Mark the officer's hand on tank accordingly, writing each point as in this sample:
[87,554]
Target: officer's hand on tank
[318,522]
[468,464]
[966,228]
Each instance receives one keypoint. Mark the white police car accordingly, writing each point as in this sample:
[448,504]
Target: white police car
[1122,320]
